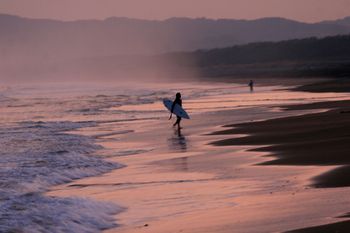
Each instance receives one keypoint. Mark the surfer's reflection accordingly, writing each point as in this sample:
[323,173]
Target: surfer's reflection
[177,141]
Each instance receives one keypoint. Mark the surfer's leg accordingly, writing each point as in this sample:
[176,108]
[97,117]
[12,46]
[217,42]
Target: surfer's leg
[178,122]
[178,119]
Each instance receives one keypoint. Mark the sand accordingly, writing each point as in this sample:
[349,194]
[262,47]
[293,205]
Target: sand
[208,178]
[312,139]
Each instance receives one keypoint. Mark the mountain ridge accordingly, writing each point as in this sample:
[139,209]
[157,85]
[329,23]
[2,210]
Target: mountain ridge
[335,21]
[35,44]
[120,35]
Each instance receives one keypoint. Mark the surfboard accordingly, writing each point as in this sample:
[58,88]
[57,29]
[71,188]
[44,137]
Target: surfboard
[178,110]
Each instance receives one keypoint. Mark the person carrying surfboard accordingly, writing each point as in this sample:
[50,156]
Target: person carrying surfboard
[178,101]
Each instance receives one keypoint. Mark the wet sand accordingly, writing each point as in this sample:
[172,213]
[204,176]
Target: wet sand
[199,181]
[320,139]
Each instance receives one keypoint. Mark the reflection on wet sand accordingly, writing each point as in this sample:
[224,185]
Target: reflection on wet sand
[177,141]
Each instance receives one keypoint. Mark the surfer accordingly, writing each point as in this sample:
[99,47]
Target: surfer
[178,101]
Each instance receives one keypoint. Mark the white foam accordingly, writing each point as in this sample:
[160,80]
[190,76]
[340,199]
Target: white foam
[37,213]
[37,155]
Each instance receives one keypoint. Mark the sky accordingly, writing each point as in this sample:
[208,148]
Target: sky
[301,10]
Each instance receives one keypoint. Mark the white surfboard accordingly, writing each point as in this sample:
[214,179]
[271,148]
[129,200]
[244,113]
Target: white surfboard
[178,110]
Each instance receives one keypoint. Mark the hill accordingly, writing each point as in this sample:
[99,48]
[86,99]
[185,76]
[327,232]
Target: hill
[121,47]
[43,39]
[329,56]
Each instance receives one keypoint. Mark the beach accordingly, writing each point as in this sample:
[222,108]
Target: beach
[241,164]
[322,143]
[174,116]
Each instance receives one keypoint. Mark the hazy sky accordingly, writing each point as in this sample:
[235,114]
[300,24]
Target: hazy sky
[302,10]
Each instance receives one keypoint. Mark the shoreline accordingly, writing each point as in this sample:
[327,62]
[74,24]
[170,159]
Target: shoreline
[185,183]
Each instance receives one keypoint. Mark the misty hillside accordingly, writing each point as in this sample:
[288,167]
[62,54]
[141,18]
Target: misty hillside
[329,56]
[328,48]
[49,49]
[42,40]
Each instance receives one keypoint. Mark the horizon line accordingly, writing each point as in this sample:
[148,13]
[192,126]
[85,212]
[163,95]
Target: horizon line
[167,19]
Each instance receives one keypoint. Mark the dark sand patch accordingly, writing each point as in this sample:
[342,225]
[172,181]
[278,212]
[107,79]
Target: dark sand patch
[339,227]
[312,139]
[333,85]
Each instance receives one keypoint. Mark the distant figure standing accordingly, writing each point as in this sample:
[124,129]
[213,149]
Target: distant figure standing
[251,85]
[178,101]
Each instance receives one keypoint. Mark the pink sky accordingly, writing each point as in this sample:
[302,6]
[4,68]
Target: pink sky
[302,10]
